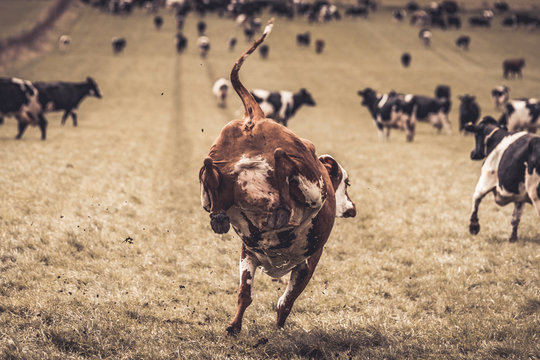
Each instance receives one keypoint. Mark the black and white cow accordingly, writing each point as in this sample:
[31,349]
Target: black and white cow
[463,42]
[426,109]
[469,111]
[521,114]
[500,96]
[65,96]
[203,43]
[511,170]
[221,90]
[19,98]
[282,105]
[425,35]
[118,44]
[181,42]
[386,113]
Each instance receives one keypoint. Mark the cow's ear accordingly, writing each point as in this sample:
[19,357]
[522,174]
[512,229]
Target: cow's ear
[489,120]
[331,165]
[470,127]
[473,97]
[460,97]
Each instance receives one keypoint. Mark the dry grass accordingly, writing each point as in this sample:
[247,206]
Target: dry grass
[404,279]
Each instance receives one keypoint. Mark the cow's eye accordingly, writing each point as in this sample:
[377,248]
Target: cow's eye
[347,182]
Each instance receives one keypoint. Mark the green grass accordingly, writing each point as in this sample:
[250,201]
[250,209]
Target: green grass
[404,279]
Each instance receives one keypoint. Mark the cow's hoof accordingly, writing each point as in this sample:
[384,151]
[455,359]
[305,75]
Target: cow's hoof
[281,217]
[513,238]
[474,228]
[220,223]
[233,330]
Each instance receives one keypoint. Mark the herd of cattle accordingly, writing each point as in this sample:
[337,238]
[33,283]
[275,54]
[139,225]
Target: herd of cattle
[270,185]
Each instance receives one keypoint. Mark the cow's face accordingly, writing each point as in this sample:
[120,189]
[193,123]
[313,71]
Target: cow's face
[306,97]
[482,132]
[340,181]
[369,96]
[94,90]
[214,196]
[467,99]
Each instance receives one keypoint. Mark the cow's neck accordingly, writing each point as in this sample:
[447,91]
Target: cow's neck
[297,102]
[82,89]
[493,139]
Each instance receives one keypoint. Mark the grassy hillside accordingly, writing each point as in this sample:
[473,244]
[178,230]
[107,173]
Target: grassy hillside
[20,15]
[404,279]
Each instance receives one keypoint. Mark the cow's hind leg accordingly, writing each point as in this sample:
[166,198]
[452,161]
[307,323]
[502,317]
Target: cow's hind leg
[248,265]
[300,277]
[516,217]
[64,117]
[22,125]
[485,185]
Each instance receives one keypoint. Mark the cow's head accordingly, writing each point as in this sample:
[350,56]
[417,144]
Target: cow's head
[483,133]
[211,182]
[369,96]
[340,181]
[467,99]
[93,90]
[304,97]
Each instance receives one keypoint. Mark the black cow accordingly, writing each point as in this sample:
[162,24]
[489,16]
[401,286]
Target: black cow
[201,27]
[501,6]
[158,22]
[399,14]
[66,96]
[479,21]
[511,170]
[181,42]
[454,21]
[463,42]
[319,46]
[406,59]
[118,44]
[356,11]
[426,109]
[263,50]
[231,43]
[386,113]
[249,33]
[469,111]
[19,98]
[442,93]
[282,105]
[303,39]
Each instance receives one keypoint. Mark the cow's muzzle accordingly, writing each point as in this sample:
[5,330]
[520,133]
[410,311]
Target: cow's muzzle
[350,213]
[220,222]
[476,155]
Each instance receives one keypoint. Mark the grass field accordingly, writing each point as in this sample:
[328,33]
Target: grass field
[404,279]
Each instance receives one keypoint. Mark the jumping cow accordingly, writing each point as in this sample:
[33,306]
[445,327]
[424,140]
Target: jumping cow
[279,197]
[282,105]
[66,96]
[19,98]
[511,170]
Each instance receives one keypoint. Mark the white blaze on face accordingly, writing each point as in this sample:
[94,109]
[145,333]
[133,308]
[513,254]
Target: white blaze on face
[343,202]
[252,178]
[312,191]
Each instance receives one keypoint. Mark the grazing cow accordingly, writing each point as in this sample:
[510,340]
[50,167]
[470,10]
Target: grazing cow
[263,50]
[521,114]
[19,98]
[509,21]
[158,22]
[406,59]
[425,35]
[231,43]
[463,42]
[501,6]
[319,46]
[279,197]
[64,42]
[386,113]
[426,109]
[282,105]
[511,170]
[201,27]
[513,67]
[454,21]
[221,90]
[66,96]
[118,44]
[469,111]
[181,42]
[303,39]
[479,21]
[203,43]
[500,96]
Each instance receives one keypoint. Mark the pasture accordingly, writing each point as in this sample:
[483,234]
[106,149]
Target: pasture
[106,252]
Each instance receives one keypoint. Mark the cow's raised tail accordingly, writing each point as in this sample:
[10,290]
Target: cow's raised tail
[252,110]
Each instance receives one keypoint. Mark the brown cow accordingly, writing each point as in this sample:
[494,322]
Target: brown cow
[513,67]
[279,197]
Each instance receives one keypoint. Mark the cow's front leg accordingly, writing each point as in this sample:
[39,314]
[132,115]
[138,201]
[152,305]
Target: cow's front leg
[516,217]
[22,124]
[485,185]
[248,265]
[446,123]
[74,118]
[43,126]
[64,117]
[300,277]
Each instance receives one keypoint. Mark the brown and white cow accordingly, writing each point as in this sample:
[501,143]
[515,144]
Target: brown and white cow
[279,197]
